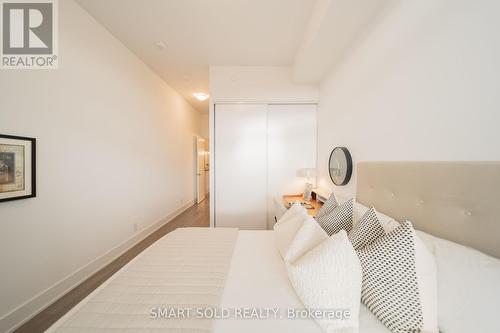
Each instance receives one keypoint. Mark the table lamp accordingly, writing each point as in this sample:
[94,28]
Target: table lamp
[307,173]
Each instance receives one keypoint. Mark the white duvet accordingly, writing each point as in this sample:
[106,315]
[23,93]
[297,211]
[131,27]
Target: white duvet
[258,278]
[197,267]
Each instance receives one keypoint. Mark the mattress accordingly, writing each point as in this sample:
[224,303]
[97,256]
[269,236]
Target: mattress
[257,278]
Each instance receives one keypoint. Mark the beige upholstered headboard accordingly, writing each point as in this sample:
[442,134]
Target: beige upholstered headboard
[458,201]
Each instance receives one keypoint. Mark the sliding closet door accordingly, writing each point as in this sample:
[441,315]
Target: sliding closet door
[240,166]
[291,147]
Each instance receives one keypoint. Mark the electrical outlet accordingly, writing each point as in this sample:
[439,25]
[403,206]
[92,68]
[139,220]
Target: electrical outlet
[136,227]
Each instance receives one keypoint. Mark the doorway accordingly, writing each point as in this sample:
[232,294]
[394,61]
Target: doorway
[201,169]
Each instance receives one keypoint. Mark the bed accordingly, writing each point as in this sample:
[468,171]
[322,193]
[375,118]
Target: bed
[258,278]
[234,269]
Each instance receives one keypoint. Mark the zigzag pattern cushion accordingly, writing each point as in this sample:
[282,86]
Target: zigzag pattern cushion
[399,281]
[366,230]
[338,219]
[328,206]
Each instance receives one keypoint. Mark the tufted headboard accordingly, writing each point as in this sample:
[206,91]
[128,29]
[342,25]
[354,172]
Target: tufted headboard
[458,201]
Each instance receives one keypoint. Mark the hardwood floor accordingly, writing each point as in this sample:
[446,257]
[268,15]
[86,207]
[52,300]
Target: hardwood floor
[195,216]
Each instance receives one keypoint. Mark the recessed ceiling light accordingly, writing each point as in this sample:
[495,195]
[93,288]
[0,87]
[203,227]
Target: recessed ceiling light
[200,96]
[160,45]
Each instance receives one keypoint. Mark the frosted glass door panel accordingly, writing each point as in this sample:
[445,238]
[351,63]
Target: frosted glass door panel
[241,166]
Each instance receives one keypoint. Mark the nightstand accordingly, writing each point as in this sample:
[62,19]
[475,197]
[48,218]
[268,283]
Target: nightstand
[288,200]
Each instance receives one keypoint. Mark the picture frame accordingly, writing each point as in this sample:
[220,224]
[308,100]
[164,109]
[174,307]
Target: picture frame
[17,167]
[308,191]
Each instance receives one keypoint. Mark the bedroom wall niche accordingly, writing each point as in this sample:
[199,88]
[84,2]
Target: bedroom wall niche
[272,88]
[422,84]
[258,150]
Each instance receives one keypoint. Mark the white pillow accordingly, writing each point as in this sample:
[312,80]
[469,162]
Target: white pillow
[329,277]
[286,227]
[388,223]
[342,197]
[279,208]
[308,237]
[468,287]
[399,281]
[294,210]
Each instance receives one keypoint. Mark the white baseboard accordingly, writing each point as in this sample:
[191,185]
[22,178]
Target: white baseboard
[42,300]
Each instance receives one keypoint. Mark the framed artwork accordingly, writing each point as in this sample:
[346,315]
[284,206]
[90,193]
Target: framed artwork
[17,167]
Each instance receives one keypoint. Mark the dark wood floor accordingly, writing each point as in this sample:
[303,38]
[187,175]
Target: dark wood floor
[196,216]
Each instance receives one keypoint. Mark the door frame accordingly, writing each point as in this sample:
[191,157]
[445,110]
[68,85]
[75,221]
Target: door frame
[198,176]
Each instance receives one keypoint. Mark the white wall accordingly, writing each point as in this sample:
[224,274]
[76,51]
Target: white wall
[257,84]
[333,26]
[204,125]
[423,84]
[249,84]
[115,150]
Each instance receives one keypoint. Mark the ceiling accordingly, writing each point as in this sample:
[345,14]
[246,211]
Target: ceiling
[334,27]
[201,33]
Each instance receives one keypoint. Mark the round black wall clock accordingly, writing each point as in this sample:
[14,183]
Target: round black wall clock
[340,166]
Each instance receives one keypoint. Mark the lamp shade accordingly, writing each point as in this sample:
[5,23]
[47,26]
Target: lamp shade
[306,172]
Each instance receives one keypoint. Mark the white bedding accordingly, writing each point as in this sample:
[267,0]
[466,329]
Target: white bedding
[258,278]
[188,268]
